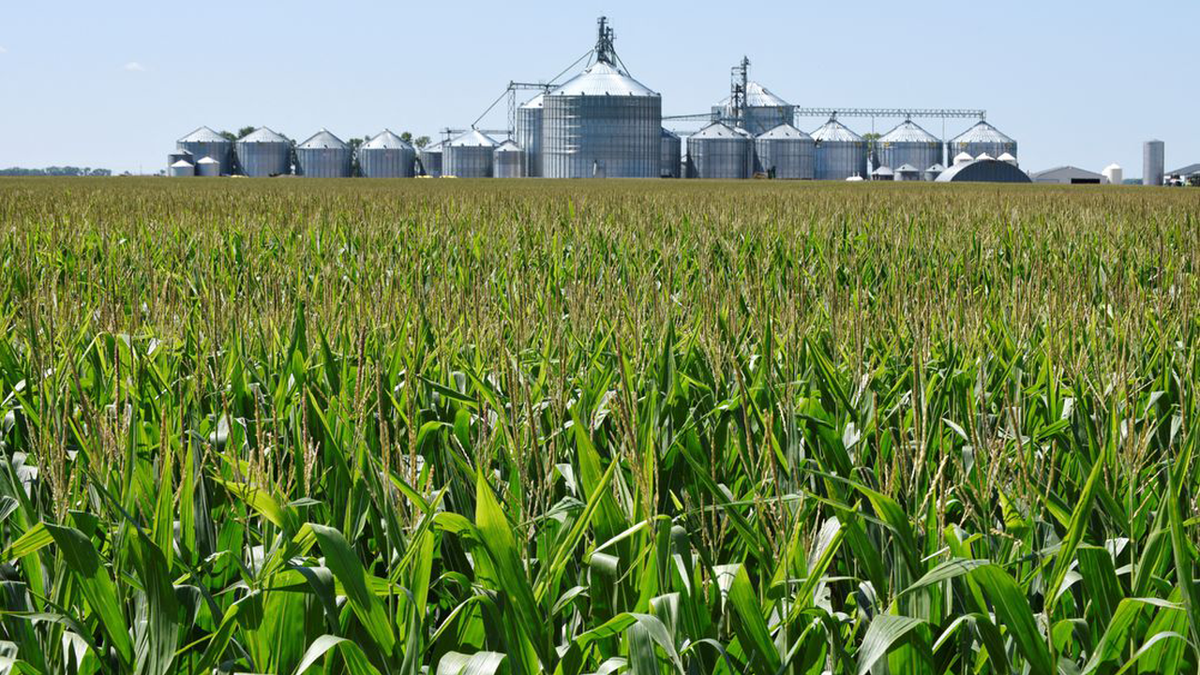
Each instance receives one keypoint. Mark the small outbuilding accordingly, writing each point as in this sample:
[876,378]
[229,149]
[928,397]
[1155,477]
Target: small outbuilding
[1068,175]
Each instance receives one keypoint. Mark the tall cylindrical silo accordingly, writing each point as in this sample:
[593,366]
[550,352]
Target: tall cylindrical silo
[838,153]
[508,161]
[386,155]
[431,160]
[786,152]
[469,155]
[264,153]
[324,155]
[1153,163]
[980,139]
[908,143]
[205,142]
[529,134]
[719,151]
[672,148]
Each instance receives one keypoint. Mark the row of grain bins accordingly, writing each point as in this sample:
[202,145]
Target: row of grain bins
[264,153]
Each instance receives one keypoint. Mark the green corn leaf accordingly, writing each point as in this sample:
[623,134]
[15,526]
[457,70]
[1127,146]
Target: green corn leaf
[97,586]
[348,569]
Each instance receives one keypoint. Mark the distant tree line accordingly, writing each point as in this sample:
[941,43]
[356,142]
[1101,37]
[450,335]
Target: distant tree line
[55,171]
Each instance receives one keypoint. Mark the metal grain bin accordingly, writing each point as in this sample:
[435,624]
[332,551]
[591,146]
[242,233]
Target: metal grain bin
[469,155]
[508,161]
[178,156]
[785,152]
[719,151]
[908,172]
[528,134]
[908,143]
[208,167]
[324,155]
[883,173]
[181,169]
[264,153]
[763,112]
[602,122]
[980,139]
[386,155]
[431,160]
[205,142]
[933,172]
[672,148]
[1153,162]
[838,153]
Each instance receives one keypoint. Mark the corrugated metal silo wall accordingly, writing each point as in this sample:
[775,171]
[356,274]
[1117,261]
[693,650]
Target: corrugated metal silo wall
[529,136]
[181,171]
[921,155]
[386,162]
[219,150]
[1153,162]
[720,157]
[975,149]
[791,158]
[763,119]
[264,159]
[509,164]
[467,161]
[619,134]
[323,162]
[432,163]
[839,160]
[672,148]
[207,170]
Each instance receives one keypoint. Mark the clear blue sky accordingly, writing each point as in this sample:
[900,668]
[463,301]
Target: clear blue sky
[115,84]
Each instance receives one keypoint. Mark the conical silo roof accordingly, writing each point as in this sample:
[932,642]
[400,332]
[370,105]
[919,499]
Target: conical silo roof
[602,79]
[906,168]
[717,130]
[386,140]
[835,131]
[758,96]
[182,164]
[323,140]
[263,135]
[509,146]
[982,132]
[473,139]
[784,131]
[667,133]
[538,101]
[908,132]
[207,160]
[204,135]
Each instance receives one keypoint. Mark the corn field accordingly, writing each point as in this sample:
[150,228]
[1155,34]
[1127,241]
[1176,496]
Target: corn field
[478,428]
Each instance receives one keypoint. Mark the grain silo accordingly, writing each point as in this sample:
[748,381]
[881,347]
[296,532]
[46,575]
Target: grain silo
[785,152]
[671,150]
[1113,174]
[719,151]
[181,169]
[469,155]
[208,167]
[980,139]
[883,173]
[908,143]
[179,156]
[752,106]
[908,172]
[528,134]
[264,153]
[431,160]
[838,153]
[602,122]
[1153,162]
[932,173]
[205,142]
[386,155]
[324,155]
[508,161]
